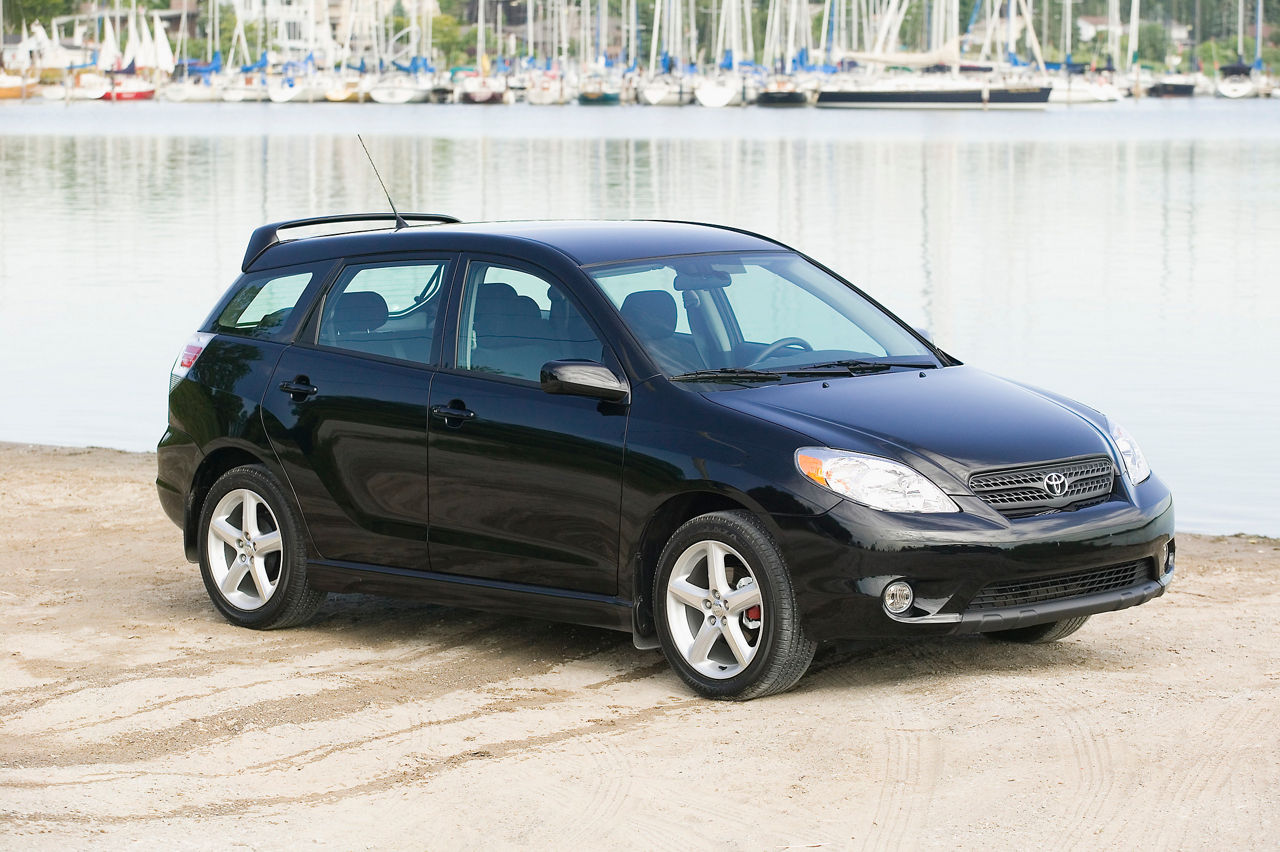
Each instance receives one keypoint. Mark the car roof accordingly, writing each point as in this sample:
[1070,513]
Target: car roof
[584,242]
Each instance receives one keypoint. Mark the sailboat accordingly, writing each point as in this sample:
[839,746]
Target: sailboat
[478,87]
[13,86]
[1235,81]
[728,85]
[949,87]
[668,83]
[787,39]
[126,83]
[1072,86]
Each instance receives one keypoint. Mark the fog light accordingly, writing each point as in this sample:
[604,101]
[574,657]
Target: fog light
[898,597]
[1168,551]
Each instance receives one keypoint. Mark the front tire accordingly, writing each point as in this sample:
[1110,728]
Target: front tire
[252,556]
[1040,634]
[725,609]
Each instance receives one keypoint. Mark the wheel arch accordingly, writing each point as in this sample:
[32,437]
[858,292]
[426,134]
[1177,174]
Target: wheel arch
[211,467]
[661,525]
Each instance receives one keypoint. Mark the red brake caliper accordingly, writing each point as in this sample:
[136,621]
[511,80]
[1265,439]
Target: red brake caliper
[753,612]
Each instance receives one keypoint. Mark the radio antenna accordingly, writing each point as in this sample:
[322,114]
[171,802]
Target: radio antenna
[400,223]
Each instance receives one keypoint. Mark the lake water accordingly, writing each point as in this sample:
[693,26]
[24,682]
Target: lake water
[1126,255]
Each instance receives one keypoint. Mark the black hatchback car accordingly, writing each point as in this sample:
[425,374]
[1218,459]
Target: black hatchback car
[690,433]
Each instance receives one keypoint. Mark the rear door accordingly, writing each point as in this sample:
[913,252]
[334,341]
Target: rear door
[525,486]
[346,411]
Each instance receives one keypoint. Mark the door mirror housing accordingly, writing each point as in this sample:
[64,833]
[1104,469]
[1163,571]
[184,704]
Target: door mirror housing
[584,378]
[924,332]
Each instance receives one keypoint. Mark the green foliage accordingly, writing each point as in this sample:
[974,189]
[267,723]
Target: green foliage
[449,39]
[1153,43]
[30,11]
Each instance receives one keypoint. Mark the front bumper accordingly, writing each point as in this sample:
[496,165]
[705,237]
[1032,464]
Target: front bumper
[841,562]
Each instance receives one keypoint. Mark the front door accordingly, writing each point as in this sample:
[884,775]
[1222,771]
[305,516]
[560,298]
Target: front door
[346,413]
[526,486]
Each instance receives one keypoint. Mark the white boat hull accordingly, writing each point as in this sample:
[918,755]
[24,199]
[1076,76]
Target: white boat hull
[296,91]
[1236,88]
[719,93]
[191,92]
[399,93]
[1084,92]
[666,93]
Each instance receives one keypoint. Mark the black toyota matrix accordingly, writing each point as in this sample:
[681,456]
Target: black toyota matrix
[690,433]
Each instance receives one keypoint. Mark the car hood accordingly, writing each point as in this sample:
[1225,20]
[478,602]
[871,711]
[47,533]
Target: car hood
[959,419]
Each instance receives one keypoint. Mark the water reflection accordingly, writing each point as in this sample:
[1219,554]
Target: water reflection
[1131,273]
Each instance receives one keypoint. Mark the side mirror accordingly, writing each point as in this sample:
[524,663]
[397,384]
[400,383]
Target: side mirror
[924,332]
[584,378]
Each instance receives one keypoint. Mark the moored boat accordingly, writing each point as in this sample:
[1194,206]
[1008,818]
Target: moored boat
[1173,86]
[129,87]
[401,89]
[596,90]
[13,86]
[912,93]
[723,90]
[667,90]
[782,91]
[1235,81]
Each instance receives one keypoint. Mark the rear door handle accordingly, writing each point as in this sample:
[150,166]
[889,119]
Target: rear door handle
[447,413]
[300,388]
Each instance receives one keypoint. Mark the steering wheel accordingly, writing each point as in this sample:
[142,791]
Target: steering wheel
[782,343]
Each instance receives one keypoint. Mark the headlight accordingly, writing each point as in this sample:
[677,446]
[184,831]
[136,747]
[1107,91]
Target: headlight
[1135,463]
[872,481]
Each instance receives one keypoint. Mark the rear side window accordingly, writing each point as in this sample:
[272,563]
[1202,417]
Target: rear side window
[386,309]
[263,305]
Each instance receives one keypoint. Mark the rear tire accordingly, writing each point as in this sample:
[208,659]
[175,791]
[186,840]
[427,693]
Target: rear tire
[1040,634]
[726,611]
[252,556]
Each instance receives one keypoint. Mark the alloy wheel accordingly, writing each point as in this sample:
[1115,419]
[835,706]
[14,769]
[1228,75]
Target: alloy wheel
[244,549]
[714,609]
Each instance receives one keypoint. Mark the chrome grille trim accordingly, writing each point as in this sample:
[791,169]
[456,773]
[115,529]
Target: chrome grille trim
[1022,490]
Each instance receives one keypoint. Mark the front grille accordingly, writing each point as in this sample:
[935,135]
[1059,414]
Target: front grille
[1022,592]
[1029,490]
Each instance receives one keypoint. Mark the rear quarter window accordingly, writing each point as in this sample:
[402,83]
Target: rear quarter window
[264,305]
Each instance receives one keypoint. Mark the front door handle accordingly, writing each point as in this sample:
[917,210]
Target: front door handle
[300,388]
[449,413]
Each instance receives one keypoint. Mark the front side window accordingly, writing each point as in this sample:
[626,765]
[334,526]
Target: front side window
[757,310]
[385,309]
[263,304]
[514,321]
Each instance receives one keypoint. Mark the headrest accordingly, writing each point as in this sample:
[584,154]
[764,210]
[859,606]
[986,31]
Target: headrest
[500,312]
[650,313]
[362,310]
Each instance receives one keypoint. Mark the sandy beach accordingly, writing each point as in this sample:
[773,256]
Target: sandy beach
[130,712]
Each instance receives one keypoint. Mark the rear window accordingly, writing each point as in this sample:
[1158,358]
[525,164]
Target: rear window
[263,305]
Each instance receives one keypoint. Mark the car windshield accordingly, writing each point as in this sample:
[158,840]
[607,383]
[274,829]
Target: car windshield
[713,314]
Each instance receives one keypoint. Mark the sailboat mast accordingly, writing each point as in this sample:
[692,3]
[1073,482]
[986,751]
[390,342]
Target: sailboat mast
[1066,32]
[1009,54]
[1135,16]
[480,37]
[1240,31]
[1257,31]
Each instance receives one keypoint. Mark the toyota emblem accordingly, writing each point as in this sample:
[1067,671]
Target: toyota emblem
[1055,484]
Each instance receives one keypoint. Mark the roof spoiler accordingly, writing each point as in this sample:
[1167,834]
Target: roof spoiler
[268,235]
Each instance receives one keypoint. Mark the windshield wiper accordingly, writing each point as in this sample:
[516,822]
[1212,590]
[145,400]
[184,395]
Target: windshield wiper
[728,374]
[854,365]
